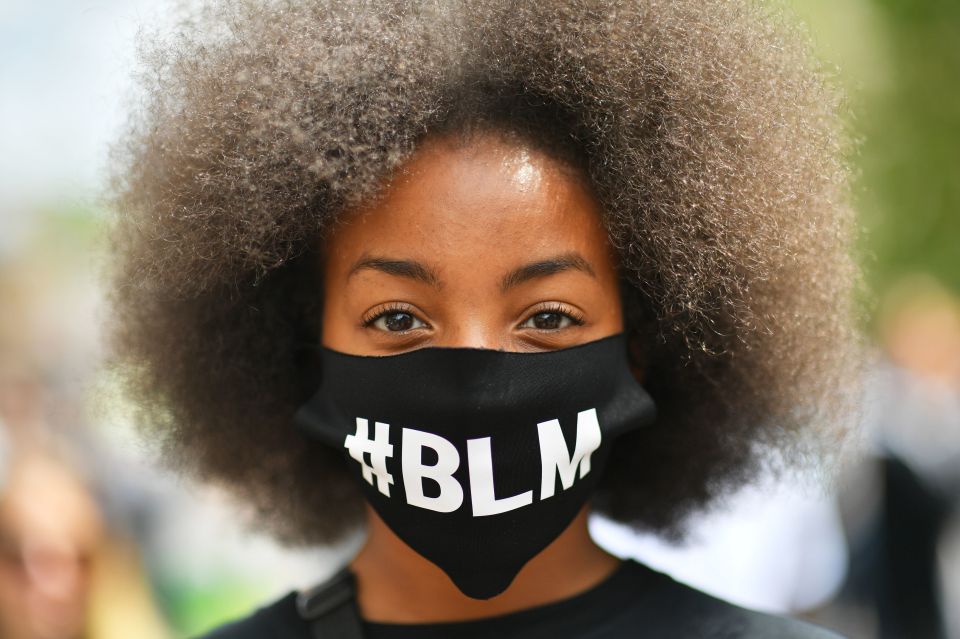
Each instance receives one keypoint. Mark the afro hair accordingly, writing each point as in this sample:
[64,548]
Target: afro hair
[712,136]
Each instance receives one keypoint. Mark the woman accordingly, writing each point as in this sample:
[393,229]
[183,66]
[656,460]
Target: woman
[463,272]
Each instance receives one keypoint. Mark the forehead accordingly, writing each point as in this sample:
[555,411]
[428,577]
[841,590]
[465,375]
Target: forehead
[476,202]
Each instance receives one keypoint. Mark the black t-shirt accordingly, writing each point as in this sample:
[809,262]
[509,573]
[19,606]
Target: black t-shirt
[634,601]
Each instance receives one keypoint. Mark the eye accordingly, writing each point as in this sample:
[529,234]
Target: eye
[393,320]
[553,318]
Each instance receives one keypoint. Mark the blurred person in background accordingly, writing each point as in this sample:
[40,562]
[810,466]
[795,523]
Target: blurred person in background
[69,567]
[900,505]
[63,574]
[50,530]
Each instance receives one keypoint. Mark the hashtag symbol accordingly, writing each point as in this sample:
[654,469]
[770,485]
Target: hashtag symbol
[378,448]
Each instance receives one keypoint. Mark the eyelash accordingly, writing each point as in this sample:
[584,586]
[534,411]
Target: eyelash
[379,311]
[555,307]
[576,317]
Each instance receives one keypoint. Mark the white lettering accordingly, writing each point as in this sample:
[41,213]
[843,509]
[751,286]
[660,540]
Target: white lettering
[481,482]
[555,459]
[414,471]
[553,451]
[379,448]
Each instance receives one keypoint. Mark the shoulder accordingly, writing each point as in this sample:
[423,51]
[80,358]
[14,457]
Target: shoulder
[277,618]
[686,611]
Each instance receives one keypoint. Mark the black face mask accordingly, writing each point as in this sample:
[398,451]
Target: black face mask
[478,458]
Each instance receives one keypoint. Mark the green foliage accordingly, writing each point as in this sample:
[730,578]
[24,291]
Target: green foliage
[911,157]
[900,62]
[193,609]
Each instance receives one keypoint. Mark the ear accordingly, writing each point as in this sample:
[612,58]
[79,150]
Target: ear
[635,354]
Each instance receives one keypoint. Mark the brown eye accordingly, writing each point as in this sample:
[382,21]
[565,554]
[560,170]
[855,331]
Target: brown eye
[549,321]
[396,322]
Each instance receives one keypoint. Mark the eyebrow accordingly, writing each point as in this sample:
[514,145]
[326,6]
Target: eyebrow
[401,268]
[543,268]
[411,269]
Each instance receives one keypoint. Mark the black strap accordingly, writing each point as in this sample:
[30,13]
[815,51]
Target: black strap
[331,607]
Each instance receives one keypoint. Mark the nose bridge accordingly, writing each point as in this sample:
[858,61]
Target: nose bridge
[473,332]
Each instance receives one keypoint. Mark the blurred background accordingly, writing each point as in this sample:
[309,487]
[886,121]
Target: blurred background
[96,540]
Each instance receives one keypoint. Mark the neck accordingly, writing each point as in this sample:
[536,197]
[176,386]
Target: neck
[571,564]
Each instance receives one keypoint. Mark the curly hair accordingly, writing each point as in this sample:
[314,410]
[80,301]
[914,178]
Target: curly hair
[712,136]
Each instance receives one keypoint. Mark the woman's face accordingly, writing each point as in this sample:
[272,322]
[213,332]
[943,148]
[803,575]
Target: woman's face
[492,244]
